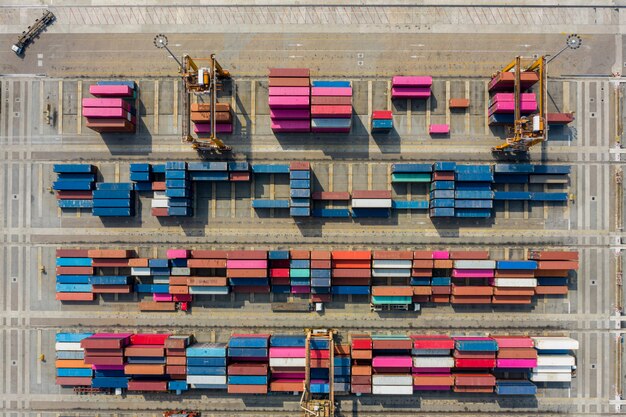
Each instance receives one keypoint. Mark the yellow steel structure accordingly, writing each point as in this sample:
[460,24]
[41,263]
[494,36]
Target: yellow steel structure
[319,405]
[523,135]
[201,80]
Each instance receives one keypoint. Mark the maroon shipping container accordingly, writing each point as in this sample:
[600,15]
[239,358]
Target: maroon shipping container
[472,380]
[331,195]
[176,369]
[110,253]
[105,352]
[290,72]
[392,344]
[144,350]
[299,166]
[352,273]
[143,385]
[470,255]
[74,381]
[110,263]
[75,195]
[560,118]
[289,82]
[384,370]
[320,264]
[74,270]
[514,273]
[321,298]
[474,355]
[110,289]
[361,379]
[103,343]
[441,290]
[443,176]
[300,254]
[371,194]
[246,254]
[72,253]
[361,389]
[321,255]
[421,272]
[209,254]
[206,263]
[247,369]
[104,360]
[331,100]
[172,352]
[393,254]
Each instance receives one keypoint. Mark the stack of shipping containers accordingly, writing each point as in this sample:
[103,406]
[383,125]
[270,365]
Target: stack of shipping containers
[141,175]
[504,82]
[289,100]
[361,372]
[178,189]
[474,357]
[413,87]
[441,280]
[473,196]
[515,358]
[320,364]
[201,117]
[554,359]
[332,118]
[514,282]
[73,275]
[300,272]
[300,189]
[113,111]
[320,276]
[114,199]
[279,265]
[146,363]
[342,369]
[382,121]
[553,270]
[432,362]
[470,279]
[74,185]
[176,362]
[441,201]
[502,107]
[375,203]
[72,370]
[287,363]
[179,275]
[247,271]
[105,353]
[391,275]
[208,273]
[108,261]
[421,275]
[206,366]
[392,365]
[249,352]
[351,272]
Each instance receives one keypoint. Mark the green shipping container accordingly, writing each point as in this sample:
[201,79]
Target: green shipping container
[407,177]
[377,300]
[299,273]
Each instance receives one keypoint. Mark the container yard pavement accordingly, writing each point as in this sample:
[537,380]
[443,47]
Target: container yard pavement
[32,227]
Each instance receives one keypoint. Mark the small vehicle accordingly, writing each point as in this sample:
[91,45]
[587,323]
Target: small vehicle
[32,32]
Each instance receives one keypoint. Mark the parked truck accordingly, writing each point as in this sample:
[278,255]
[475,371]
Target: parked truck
[32,32]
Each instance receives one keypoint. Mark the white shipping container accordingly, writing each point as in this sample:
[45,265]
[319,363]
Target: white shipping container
[543,377]
[176,270]
[466,264]
[67,346]
[392,390]
[341,387]
[392,264]
[548,179]
[433,361]
[516,282]
[555,360]
[555,343]
[158,203]
[206,379]
[552,369]
[290,362]
[161,279]
[430,352]
[160,195]
[208,386]
[140,271]
[391,272]
[391,379]
[371,203]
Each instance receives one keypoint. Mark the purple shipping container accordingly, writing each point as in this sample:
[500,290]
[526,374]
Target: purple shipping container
[285,125]
[244,264]
[177,254]
[289,91]
[509,107]
[472,273]
[410,92]
[290,114]
[300,289]
[392,362]
[286,352]
[110,90]
[161,297]
[331,91]
[441,254]
[287,375]
[499,97]
[439,129]
[431,388]
[289,102]
[516,363]
[206,128]
[411,81]
[106,102]
[106,113]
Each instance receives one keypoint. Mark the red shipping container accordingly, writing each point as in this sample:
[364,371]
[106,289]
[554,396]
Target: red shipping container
[354,264]
[331,111]
[393,254]
[361,379]
[550,265]
[421,272]
[361,389]
[473,355]
[321,298]
[290,72]
[74,195]
[432,342]
[73,381]
[382,115]
[239,176]
[72,253]
[320,354]
[349,255]
[158,186]
[176,370]
[143,385]
[159,212]
[299,166]
[148,339]
[443,176]
[362,343]
[74,270]
[554,255]
[104,360]
[517,353]
[392,344]
[331,196]
[473,379]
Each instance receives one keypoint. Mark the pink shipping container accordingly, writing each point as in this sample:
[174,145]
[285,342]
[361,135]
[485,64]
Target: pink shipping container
[331,111]
[289,102]
[410,92]
[248,263]
[411,81]
[177,254]
[331,91]
[439,129]
[286,125]
[509,107]
[289,91]
[499,97]
[289,114]
[441,254]
[472,273]
[219,128]
[106,102]
[286,352]
[161,297]
[516,363]
[106,113]
[110,90]
[392,362]
[279,273]
[300,289]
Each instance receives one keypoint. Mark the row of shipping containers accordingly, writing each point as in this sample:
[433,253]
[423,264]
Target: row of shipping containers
[387,277]
[113,108]
[378,364]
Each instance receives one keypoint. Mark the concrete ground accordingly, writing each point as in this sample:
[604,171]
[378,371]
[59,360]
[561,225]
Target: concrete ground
[366,44]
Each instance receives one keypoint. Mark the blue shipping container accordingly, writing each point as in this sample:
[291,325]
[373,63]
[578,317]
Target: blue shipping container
[411,168]
[72,168]
[270,169]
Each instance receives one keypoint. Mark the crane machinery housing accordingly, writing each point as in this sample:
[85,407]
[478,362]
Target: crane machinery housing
[318,404]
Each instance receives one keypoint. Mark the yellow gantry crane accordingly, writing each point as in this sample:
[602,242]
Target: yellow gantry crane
[319,404]
[202,80]
[526,131]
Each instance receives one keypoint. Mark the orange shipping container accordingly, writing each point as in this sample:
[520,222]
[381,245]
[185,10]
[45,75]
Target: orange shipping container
[288,82]
[320,363]
[138,262]
[220,107]
[179,289]
[361,354]
[440,298]
[71,363]
[351,255]
[470,299]
[206,263]
[553,273]
[525,292]
[358,264]
[458,103]
[207,281]
[352,273]
[422,254]
[342,349]
[517,353]
[393,254]
[246,273]
[286,386]
[553,255]
[320,255]
[110,289]
[208,254]
[176,360]
[551,290]
[247,389]
[300,254]
[390,291]
[557,265]
[423,263]
[469,255]
[433,380]
[443,264]
[421,272]
[441,290]
[511,299]
[422,290]
[361,370]
[109,253]
[74,296]
[320,264]
[178,280]
[205,117]
[144,369]
[157,306]
[472,290]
